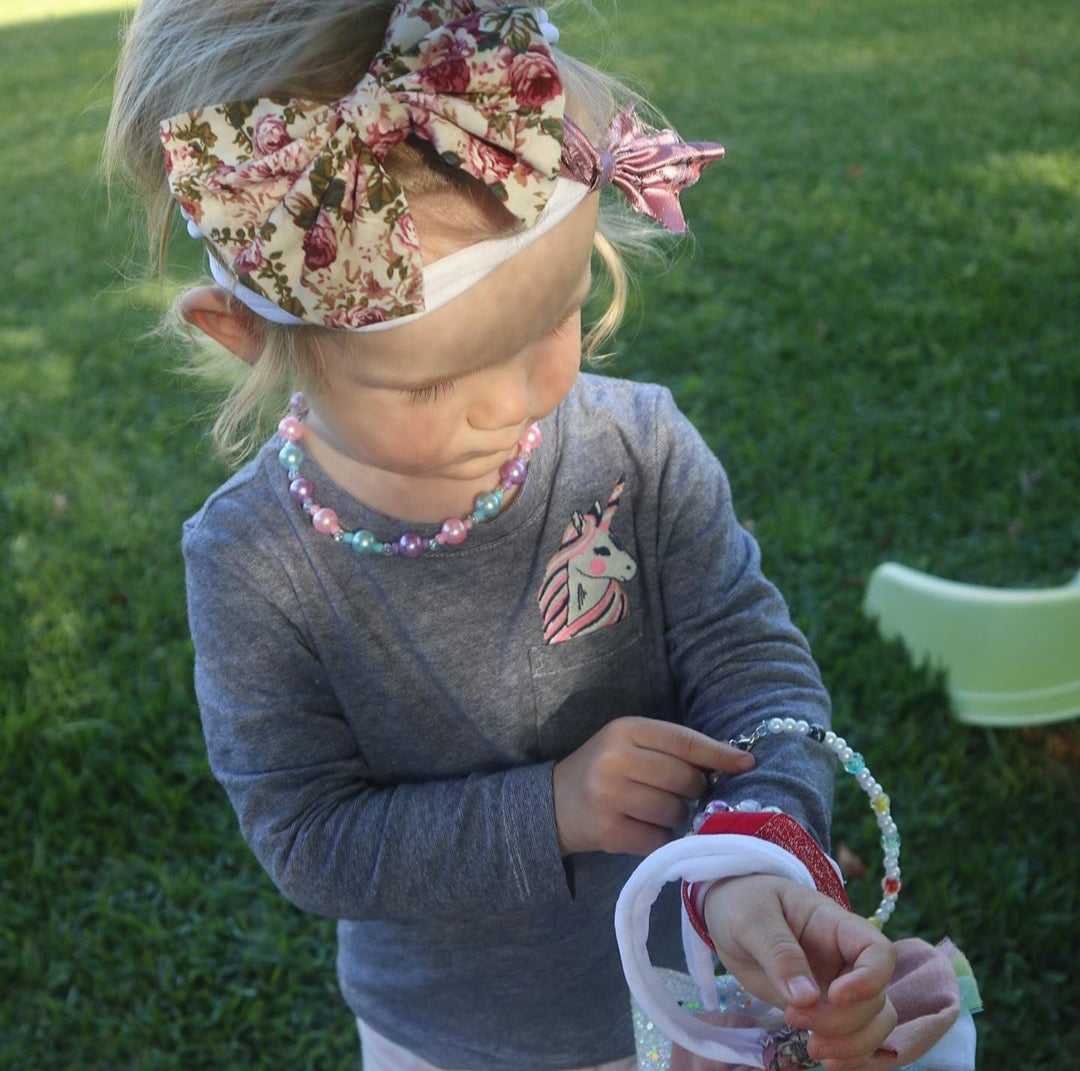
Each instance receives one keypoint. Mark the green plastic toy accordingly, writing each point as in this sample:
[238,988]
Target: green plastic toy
[1011,657]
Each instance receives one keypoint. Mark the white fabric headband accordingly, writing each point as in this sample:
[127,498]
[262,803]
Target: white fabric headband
[444,279]
[693,859]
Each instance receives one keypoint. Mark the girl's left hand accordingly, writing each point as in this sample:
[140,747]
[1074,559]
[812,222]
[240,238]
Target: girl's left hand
[798,950]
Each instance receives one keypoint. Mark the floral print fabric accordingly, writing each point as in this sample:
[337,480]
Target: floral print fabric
[293,196]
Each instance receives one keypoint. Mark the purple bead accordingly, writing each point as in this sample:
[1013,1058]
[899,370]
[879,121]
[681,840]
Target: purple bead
[298,403]
[514,471]
[301,490]
[410,545]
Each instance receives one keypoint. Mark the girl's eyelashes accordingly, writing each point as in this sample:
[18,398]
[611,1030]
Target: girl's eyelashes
[562,326]
[431,392]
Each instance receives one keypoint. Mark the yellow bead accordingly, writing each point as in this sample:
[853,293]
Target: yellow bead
[875,922]
[880,803]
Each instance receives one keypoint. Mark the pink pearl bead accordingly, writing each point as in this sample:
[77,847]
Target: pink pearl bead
[326,521]
[290,428]
[454,531]
[513,471]
[532,438]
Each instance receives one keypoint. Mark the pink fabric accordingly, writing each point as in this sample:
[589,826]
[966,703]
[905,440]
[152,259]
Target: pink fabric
[650,167]
[923,990]
[381,1054]
[926,996]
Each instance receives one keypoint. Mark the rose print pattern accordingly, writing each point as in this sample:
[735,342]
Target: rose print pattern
[534,80]
[292,195]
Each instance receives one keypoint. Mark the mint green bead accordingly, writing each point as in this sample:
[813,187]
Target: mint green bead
[488,506]
[291,457]
[856,764]
[890,843]
[364,542]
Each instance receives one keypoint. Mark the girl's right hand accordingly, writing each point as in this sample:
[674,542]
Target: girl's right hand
[626,788]
[825,966]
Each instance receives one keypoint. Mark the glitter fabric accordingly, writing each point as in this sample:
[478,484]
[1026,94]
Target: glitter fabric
[654,1049]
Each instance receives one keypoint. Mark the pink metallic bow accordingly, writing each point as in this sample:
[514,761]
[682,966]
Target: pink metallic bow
[650,167]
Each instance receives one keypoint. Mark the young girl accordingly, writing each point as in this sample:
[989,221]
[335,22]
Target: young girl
[470,628]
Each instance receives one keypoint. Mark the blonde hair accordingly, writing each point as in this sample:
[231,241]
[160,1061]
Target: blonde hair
[178,56]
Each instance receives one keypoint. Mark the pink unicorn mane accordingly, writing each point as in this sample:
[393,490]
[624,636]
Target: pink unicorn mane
[559,591]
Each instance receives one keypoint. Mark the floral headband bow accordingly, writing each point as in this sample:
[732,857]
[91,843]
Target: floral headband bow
[293,197]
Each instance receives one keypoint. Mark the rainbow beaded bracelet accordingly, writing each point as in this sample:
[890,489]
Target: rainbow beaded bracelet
[854,764]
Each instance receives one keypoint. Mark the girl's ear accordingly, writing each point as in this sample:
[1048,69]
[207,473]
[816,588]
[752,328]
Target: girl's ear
[237,329]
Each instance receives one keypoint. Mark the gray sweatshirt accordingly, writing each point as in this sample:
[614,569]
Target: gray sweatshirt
[386,728]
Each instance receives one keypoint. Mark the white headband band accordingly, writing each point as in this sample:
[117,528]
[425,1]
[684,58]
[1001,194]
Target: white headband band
[444,279]
[693,859]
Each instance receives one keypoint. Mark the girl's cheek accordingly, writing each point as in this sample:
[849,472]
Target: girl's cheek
[558,368]
[568,369]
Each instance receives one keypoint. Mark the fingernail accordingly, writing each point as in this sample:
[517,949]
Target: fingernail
[801,989]
[746,760]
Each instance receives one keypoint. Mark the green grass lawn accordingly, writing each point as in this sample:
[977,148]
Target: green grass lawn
[876,328]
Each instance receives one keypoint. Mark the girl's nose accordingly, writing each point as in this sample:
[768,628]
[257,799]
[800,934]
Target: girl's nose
[503,399]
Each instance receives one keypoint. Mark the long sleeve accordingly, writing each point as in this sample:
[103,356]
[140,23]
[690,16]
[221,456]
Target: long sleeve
[734,651]
[335,841]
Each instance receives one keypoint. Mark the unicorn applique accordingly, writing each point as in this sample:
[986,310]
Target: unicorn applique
[582,589]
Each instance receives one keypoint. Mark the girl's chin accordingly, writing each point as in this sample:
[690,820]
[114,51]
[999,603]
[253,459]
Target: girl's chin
[479,462]
[468,467]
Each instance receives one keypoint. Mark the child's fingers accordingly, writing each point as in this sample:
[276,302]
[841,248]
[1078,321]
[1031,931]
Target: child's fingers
[654,806]
[661,771]
[688,745]
[639,838]
[872,957]
[770,943]
[854,1048]
[634,770]
[830,1020]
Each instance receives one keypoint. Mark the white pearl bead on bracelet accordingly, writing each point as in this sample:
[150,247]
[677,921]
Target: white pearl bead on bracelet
[854,764]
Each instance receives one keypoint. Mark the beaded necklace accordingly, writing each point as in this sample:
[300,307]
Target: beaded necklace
[454,530]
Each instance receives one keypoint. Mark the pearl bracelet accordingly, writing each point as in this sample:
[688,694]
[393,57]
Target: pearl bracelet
[854,764]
